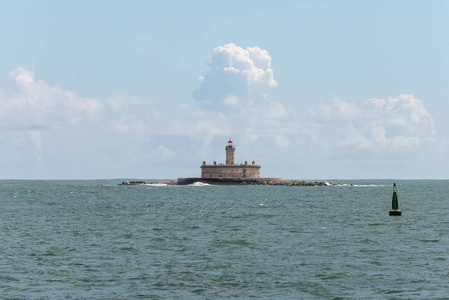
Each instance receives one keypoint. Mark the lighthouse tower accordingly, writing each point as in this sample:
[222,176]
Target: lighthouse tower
[230,153]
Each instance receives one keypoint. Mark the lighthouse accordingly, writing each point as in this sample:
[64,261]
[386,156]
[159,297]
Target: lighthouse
[230,153]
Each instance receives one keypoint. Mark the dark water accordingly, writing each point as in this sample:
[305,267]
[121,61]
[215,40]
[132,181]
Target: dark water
[97,240]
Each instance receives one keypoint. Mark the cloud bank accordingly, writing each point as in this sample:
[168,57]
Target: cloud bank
[395,123]
[43,126]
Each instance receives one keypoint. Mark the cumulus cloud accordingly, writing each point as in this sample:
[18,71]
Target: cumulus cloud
[402,116]
[397,122]
[236,76]
[36,104]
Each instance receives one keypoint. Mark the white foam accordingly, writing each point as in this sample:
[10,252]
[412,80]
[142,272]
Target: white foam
[370,185]
[200,184]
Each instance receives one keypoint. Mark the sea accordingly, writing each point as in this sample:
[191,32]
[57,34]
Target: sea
[95,239]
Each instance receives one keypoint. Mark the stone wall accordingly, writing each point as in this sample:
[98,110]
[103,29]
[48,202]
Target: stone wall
[230,171]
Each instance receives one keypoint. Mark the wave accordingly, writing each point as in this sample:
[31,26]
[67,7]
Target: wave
[156,184]
[370,185]
[199,184]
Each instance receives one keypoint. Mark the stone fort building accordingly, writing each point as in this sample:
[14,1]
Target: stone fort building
[230,169]
[229,172]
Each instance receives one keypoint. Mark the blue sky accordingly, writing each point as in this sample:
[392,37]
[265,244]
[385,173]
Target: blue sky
[150,89]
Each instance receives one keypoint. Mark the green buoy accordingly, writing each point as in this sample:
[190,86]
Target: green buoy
[395,211]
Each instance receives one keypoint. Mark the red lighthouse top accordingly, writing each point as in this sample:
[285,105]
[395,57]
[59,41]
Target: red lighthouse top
[230,145]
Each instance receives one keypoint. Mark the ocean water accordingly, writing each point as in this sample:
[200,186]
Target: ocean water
[98,240]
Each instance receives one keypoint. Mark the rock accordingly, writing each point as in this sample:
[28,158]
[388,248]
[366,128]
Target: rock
[243,182]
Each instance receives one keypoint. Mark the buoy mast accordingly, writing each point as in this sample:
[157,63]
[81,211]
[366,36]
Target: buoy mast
[395,211]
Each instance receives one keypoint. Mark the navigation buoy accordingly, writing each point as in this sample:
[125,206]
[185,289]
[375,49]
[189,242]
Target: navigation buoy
[395,211]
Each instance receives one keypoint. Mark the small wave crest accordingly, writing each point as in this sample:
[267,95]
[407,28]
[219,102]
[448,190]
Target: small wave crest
[369,185]
[156,184]
[200,184]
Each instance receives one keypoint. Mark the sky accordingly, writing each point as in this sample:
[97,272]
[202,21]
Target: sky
[151,89]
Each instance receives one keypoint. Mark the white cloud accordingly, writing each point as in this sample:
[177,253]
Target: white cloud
[129,122]
[119,101]
[377,103]
[36,137]
[163,153]
[245,74]
[403,115]
[278,111]
[281,141]
[391,124]
[231,101]
[37,104]
[339,111]
[131,114]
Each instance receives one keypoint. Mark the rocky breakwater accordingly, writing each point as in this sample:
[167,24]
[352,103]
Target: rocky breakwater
[289,183]
[238,182]
[171,182]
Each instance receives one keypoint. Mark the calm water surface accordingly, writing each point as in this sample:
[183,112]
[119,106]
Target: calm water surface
[98,240]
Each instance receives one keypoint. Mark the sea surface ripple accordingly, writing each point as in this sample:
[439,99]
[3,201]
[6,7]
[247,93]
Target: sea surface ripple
[97,240]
